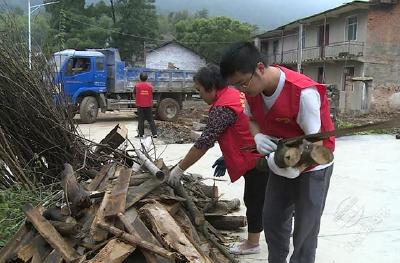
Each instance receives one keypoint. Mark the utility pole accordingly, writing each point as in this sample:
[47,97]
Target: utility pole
[32,9]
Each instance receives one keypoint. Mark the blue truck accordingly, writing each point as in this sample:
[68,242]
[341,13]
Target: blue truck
[97,79]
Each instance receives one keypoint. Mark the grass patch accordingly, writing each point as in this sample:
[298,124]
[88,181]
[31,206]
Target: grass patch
[11,202]
[341,124]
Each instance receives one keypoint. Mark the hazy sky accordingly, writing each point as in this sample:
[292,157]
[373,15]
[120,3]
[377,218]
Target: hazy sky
[264,13]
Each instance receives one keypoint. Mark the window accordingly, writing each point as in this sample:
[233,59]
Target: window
[99,64]
[264,47]
[275,46]
[351,28]
[77,65]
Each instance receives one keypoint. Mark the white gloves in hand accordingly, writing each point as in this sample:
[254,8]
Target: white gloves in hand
[288,172]
[175,176]
[264,144]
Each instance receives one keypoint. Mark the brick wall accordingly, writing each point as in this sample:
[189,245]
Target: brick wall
[382,53]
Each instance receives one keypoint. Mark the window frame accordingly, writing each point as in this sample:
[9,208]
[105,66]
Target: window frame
[353,25]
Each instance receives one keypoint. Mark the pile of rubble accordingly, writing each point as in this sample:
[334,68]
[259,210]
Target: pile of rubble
[127,213]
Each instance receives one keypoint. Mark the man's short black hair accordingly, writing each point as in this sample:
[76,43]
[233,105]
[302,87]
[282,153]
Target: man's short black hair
[240,57]
[143,76]
[210,78]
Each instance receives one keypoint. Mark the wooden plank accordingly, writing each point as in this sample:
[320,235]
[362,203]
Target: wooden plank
[117,201]
[49,233]
[111,173]
[53,257]
[94,184]
[97,233]
[114,252]
[138,227]
[40,250]
[25,253]
[170,234]
[136,193]
[24,235]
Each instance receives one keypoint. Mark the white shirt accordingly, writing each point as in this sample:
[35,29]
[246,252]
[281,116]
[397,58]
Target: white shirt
[308,118]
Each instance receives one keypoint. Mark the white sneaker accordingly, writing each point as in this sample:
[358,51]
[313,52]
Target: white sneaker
[238,250]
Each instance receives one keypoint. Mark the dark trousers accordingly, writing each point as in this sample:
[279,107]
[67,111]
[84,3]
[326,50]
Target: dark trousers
[146,114]
[305,195]
[254,193]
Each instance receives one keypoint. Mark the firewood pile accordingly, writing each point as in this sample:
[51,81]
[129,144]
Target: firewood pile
[127,213]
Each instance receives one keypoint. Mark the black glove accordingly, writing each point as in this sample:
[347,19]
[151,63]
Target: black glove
[219,166]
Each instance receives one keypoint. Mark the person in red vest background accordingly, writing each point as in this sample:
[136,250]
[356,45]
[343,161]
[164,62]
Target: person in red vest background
[228,125]
[143,93]
[282,103]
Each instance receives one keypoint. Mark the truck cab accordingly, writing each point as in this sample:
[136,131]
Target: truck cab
[97,79]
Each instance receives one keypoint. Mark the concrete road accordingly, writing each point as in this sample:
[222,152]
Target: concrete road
[361,222]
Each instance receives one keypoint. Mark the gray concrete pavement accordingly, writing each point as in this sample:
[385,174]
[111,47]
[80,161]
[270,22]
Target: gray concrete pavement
[361,222]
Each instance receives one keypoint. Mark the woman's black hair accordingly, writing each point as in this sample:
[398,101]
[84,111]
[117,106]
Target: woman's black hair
[210,78]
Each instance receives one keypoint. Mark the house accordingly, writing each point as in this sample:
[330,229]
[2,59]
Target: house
[355,46]
[174,55]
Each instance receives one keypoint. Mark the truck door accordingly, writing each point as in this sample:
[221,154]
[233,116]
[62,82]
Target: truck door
[77,74]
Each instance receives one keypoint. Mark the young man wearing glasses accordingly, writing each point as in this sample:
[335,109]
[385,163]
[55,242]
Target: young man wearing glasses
[282,103]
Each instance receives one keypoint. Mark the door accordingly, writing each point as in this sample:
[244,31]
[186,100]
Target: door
[77,74]
[323,38]
[321,78]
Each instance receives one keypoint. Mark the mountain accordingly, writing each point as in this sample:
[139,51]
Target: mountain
[266,14]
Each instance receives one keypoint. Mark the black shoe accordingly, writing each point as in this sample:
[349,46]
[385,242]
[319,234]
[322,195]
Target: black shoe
[155,136]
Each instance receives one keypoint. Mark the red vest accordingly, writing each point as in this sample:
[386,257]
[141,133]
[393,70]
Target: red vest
[236,136]
[280,120]
[143,94]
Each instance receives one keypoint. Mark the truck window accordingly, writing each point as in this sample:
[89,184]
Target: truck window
[177,76]
[77,66]
[99,64]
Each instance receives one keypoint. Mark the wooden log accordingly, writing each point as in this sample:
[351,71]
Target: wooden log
[201,223]
[64,228]
[197,216]
[287,156]
[136,225]
[117,201]
[49,233]
[54,214]
[114,252]
[210,191]
[74,192]
[136,193]
[227,222]
[186,225]
[223,207]
[131,239]
[169,233]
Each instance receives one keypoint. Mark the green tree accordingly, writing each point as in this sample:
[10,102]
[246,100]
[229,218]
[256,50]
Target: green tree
[136,21]
[74,26]
[210,36]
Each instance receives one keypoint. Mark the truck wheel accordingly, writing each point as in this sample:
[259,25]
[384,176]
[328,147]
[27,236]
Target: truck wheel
[168,110]
[89,109]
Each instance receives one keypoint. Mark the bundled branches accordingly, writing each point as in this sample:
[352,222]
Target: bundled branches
[37,135]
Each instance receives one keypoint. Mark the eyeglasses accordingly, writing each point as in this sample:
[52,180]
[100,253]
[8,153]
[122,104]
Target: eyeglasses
[244,86]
